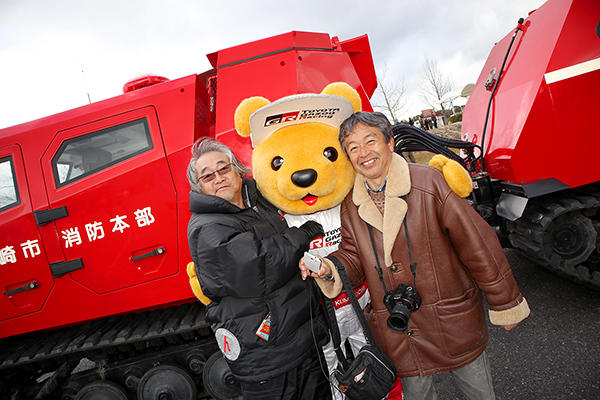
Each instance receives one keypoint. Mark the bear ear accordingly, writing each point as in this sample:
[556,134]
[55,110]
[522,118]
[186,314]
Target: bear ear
[244,111]
[342,89]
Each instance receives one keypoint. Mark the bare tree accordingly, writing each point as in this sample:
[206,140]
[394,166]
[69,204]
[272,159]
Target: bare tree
[437,85]
[393,95]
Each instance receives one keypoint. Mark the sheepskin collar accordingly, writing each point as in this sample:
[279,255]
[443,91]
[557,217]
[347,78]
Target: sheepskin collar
[398,184]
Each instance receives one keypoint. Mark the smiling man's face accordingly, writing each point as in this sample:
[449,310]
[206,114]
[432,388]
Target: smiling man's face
[226,185]
[369,154]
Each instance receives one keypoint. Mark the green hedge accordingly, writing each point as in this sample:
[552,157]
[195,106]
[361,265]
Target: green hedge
[455,118]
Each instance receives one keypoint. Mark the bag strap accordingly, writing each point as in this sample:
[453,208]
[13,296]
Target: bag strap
[334,329]
[353,300]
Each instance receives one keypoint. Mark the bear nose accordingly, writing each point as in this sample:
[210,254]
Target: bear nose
[304,178]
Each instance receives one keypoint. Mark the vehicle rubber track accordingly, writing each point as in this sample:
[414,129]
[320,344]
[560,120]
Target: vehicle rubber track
[157,327]
[562,233]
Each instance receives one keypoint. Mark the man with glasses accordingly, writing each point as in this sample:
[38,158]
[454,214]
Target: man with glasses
[265,318]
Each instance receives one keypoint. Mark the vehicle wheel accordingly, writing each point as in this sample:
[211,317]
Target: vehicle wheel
[571,238]
[218,380]
[101,390]
[166,382]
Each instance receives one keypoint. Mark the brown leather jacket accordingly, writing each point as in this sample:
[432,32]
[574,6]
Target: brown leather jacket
[457,254]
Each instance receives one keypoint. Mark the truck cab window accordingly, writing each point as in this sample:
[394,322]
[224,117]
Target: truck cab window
[9,193]
[93,152]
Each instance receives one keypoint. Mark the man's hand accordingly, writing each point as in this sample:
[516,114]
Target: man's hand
[312,229]
[324,271]
[509,327]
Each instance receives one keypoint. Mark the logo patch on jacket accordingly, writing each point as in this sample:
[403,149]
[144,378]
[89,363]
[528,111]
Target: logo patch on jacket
[228,344]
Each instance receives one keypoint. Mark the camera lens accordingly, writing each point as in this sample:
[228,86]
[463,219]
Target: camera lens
[398,322]
[398,319]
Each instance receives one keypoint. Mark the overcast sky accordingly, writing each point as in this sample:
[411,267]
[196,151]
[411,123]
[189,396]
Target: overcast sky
[45,45]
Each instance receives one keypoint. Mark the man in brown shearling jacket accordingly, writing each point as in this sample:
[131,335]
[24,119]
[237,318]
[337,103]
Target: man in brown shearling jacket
[457,257]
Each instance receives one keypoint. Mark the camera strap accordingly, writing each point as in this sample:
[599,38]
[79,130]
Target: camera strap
[413,265]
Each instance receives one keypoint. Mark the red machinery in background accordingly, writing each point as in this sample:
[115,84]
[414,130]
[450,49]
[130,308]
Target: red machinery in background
[534,112]
[94,201]
[531,135]
[93,217]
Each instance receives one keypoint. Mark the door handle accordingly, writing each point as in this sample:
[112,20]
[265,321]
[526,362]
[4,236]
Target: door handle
[42,217]
[61,268]
[156,252]
[31,285]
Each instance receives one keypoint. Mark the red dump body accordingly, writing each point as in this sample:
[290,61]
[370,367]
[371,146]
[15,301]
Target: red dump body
[543,121]
[94,201]
[295,62]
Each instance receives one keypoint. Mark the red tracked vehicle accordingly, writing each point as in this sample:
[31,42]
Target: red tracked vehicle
[534,111]
[93,217]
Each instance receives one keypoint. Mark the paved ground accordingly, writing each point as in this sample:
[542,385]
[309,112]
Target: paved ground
[555,353]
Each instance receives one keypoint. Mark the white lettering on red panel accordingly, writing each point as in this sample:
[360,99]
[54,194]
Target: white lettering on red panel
[71,236]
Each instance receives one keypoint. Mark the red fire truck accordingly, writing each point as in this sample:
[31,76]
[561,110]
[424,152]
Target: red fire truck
[530,139]
[93,217]
[534,113]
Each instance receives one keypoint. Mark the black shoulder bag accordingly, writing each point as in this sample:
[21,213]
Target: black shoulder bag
[371,374]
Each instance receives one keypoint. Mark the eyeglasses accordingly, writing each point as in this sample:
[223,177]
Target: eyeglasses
[211,177]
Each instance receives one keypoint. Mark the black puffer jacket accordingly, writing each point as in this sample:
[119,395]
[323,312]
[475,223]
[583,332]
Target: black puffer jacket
[247,263]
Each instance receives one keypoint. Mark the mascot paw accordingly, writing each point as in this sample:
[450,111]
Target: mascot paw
[195,285]
[456,176]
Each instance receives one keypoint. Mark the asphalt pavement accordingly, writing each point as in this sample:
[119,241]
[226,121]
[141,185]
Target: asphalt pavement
[555,352]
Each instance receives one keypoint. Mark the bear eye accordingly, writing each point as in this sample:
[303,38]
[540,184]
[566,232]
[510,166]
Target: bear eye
[330,153]
[276,163]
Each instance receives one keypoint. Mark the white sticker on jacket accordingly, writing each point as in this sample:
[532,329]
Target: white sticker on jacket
[228,343]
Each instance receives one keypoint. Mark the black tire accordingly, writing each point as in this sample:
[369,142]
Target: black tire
[561,233]
[218,380]
[569,240]
[166,381]
[101,390]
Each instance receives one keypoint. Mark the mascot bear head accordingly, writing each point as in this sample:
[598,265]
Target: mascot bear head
[297,161]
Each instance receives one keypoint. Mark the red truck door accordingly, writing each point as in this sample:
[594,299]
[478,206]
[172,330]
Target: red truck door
[25,279]
[112,181]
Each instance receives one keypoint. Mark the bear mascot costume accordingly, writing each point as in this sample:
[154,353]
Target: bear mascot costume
[300,167]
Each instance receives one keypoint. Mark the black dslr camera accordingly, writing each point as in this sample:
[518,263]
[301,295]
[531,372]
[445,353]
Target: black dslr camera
[400,303]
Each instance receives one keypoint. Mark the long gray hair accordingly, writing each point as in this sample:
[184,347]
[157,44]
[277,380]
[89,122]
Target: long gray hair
[205,145]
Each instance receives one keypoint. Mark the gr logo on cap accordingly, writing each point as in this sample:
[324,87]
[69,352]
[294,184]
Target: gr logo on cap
[258,118]
[298,109]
